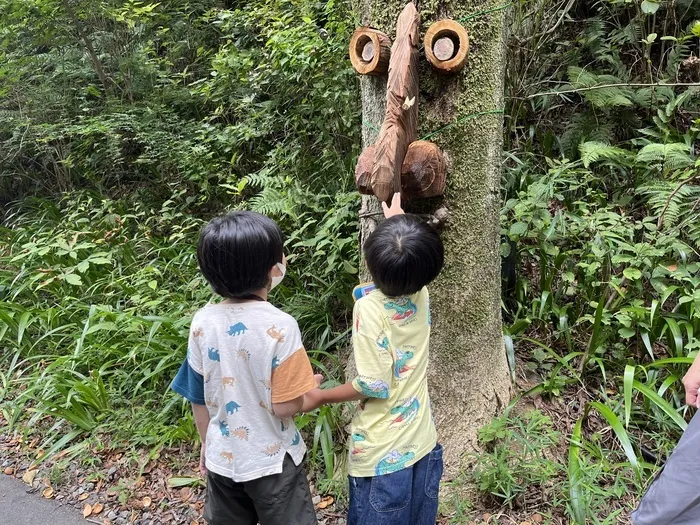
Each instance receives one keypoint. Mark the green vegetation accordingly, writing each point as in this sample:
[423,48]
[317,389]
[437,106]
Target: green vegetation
[125,125]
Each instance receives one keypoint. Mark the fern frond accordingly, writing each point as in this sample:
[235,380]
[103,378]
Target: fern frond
[665,156]
[593,151]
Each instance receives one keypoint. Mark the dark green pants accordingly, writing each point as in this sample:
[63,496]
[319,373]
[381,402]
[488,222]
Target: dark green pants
[280,499]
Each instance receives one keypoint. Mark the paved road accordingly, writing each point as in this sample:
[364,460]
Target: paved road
[19,508]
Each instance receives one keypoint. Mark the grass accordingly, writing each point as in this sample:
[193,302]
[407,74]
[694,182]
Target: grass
[96,298]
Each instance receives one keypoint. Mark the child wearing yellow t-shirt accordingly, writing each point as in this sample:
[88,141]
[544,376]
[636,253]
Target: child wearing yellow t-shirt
[395,461]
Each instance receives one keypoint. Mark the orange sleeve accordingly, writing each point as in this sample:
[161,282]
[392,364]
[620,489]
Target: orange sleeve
[292,378]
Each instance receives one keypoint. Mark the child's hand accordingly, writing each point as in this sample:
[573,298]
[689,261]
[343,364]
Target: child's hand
[202,462]
[319,379]
[395,208]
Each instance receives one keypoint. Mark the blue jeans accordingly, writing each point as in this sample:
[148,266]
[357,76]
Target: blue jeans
[406,497]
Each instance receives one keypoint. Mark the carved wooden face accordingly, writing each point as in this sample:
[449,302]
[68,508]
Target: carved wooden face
[397,161]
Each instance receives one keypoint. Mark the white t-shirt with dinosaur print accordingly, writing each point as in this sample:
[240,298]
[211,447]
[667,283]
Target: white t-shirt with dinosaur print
[249,355]
[393,428]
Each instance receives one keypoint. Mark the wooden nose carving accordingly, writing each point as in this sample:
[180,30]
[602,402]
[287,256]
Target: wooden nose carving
[397,162]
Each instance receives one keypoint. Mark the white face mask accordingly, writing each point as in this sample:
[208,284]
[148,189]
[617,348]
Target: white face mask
[276,279]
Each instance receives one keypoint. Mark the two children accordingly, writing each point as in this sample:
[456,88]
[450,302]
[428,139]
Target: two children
[247,374]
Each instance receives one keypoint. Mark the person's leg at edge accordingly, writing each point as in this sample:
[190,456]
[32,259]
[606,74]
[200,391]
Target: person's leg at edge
[285,498]
[426,488]
[381,500]
[226,502]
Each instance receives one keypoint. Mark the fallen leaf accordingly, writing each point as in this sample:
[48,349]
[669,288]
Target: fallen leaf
[97,508]
[83,496]
[672,267]
[9,471]
[537,518]
[28,477]
[146,502]
[47,493]
[87,510]
[325,502]
[185,493]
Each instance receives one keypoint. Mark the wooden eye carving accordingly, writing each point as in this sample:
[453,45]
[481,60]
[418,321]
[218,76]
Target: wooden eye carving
[370,51]
[447,46]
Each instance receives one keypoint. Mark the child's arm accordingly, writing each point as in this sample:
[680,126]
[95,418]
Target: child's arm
[293,407]
[338,394]
[201,419]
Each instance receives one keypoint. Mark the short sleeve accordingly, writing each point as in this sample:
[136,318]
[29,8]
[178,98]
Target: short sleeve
[194,352]
[373,356]
[292,375]
[189,384]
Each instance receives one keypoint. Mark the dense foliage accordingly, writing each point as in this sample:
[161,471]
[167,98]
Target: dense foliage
[124,125]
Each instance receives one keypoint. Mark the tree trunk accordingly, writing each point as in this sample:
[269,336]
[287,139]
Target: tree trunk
[469,372]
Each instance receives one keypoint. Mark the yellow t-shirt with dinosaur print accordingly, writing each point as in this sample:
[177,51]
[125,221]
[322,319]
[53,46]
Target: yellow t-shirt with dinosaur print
[393,428]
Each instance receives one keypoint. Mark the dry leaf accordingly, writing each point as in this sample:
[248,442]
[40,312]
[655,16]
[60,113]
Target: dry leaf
[97,508]
[146,502]
[29,476]
[47,493]
[325,502]
[87,510]
[9,471]
[537,518]
[185,493]
[672,267]
[83,496]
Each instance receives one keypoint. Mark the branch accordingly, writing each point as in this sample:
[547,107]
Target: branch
[604,86]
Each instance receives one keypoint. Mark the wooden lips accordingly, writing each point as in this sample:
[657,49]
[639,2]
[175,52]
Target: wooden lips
[397,162]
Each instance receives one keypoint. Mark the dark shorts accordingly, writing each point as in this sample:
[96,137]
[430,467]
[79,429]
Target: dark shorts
[406,497]
[280,499]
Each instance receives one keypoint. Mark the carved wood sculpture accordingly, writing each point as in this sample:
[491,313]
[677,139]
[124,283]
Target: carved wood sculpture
[396,161]
[446,46]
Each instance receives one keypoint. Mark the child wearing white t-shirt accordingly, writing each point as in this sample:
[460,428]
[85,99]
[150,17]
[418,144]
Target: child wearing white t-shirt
[246,375]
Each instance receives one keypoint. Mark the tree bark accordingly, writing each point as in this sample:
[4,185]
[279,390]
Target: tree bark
[469,379]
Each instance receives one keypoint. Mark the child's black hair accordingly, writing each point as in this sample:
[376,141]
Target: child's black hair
[236,252]
[403,254]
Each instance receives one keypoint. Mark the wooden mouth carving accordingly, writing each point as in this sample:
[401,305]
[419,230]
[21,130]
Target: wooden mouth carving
[397,161]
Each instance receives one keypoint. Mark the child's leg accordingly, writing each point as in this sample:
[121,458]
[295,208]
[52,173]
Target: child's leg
[426,486]
[381,500]
[283,499]
[227,502]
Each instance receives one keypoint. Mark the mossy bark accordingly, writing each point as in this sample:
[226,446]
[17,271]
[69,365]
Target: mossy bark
[469,376]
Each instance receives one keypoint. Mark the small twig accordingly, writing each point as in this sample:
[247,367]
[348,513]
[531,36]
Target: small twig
[604,86]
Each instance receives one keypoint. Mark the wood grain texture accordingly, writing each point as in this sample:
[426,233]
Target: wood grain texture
[423,173]
[400,126]
[370,51]
[436,34]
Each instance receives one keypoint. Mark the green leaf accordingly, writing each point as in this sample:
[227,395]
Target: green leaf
[73,279]
[578,505]
[108,327]
[660,402]
[628,383]
[626,333]
[650,7]
[632,273]
[517,229]
[696,29]
[620,432]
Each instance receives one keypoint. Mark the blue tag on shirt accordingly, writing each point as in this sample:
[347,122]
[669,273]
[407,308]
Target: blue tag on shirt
[363,289]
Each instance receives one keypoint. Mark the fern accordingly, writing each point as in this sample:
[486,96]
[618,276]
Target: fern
[666,157]
[671,201]
[604,97]
[593,151]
